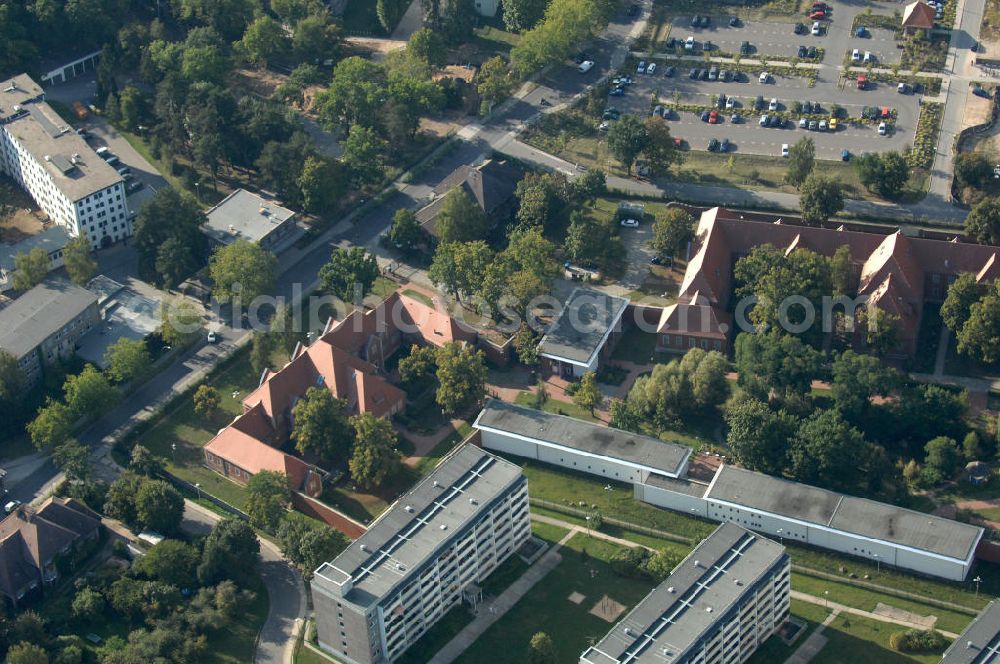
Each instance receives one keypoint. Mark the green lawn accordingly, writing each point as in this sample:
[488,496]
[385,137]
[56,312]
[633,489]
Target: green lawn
[991,513]
[546,607]
[651,541]
[437,636]
[861,598]
[384,287]
[548,532]
[774,650]
[863,641]
[556,407]
[418,296]
[492,39]
[438,452]
[636,346]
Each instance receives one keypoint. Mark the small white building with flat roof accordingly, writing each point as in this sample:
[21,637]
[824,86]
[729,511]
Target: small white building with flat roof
[244,215]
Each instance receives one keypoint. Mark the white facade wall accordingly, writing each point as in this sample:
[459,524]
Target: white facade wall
[672,500]
[103,213]
[560,456]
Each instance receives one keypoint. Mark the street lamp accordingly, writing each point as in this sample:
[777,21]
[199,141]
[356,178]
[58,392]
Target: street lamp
[587,518]
[826,598]
[197,190]
[197,487]
[977,581]
[173,452]
[878,563]
[780,538]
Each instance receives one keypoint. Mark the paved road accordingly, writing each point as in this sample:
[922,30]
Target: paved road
[285,591]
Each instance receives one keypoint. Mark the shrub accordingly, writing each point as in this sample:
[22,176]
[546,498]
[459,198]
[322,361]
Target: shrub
[630,562]
[917,641]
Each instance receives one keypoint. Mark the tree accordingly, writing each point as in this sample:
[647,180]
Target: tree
[308,543]
[206,401]
[30,269]
[171,561]
[263,40]
[983,221]
[168,237]
[627,138]
[672,231]
[73,459]
[374,456]
[494,82]
[127,359]
[12,382]
[972,447]
[268,498]
[293,11]
[971,168]
[355,94]
[979,337]
[180,322]
[589,185]
[323,184]
[80,265]
[132,105]
[261,348]
[363,152]
[881,328]
[230,552]
[145,463]
[526,346]
[521,15]
[801,159]
[588,395]
[120,501]
[321,425]
[826,450]
[159,506]
[661,150]
[856,379]
[885,173]
[349,274]
[691,386]
[460,218]
[541,650]
[758,436]
[242,270]
[624,417]
[27,653]
[51,426]
[943,458]
[427,45]
[461,375]
[405,231]
[89,394]
[842,271]
[88,604]
[459,266]
[775,363]
[820,198]
[957,306]
[661,564]
[419,365]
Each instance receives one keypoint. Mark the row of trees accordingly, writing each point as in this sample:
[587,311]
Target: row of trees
[565,25]
[457,374]
[973,314]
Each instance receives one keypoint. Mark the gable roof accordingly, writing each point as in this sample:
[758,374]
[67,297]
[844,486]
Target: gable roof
[698,320]
[918,15]
[490,185]
[252,455]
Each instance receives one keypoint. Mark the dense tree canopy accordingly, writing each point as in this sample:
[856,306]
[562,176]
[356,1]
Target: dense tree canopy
[688,387]
[672,231]
[268,498]
[461,374]
[242,270]
[759,436]
[374,456]
[775,363]
[460,218]
[983,221]
[168,239]
[349,274]
[321,425]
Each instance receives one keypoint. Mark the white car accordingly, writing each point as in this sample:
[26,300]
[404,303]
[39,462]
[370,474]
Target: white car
[651,69]
[11,506]
[883,128]
[773,105]
[689,44]
[803,123]
[856,55]
[764,77]
[641,69]
[630,223]
[603,126]
[730,102]
[586,66]
[784,149]
[868,57]
[212,337]
[816,29]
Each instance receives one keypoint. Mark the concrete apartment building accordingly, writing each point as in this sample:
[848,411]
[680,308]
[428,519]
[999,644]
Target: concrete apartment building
[45,324]
[62,173]
[425,554]
[980,642]
[718,606]
[659,474]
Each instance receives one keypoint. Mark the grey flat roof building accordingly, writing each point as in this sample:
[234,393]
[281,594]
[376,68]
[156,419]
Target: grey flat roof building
[980,642]
[418,524]
[244,215]
[856,516]
[677,617]
[544,428]
[41,312]
[51,240]
[582,327]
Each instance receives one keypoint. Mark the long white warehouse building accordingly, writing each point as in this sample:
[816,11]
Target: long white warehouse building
[781,508]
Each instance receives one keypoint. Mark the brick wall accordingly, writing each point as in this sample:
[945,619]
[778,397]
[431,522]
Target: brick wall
[327,515]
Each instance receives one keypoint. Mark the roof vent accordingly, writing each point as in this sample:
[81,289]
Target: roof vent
[401,567]
[17,108]
[473,501]
[708,609]
[670,590]
[48,158]
[408,508]
[444,526]
[11,88]
[364,547]
[697,563]
[628,631]
[968,644]
[437,484]
[667,652]
[264,212]
[737,582]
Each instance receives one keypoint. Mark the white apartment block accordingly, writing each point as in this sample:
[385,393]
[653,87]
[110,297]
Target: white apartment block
[424,555]
[68,180]
[717,607]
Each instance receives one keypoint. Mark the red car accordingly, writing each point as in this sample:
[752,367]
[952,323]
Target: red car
[713,117]
[862,81]
[817,15]
[820,6]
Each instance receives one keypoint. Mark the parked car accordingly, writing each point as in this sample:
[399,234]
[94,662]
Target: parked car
[212,337]
[811,52]
[658,110]
[694,73]
[862,82]
[813,125]
[800,29]
[736,119]
[802,51]
[980,91]
[689,44]
[822,125]
[734,22]
[817,15]
[765,120]
[630,223]
[903,88]
[868,57]
[713,74]
[713,145]
[617,92]
[773,104]
[134,186]
[845,155]
[713,117]
[725,75]
[695,21]
[832,124]
[604,126]
[720,101]
[883,129]
[817,29]
[670,71]
[611,114]
[704,116]
[641,68]
[862,31]
[807,107]
[764,77]
[784,149]
[671,43]
[724,145]
[704,75]
[11,506]
[758,103]
[745,48]
[856,55]
[803,123]
[651,69]
[586,66]
[730,102]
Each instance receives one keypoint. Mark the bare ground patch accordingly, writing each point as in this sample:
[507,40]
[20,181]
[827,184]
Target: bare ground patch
[608,609]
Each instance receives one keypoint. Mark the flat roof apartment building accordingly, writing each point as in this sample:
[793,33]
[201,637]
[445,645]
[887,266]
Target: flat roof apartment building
[717,607]
[980,642]
[62,173]
[426,553]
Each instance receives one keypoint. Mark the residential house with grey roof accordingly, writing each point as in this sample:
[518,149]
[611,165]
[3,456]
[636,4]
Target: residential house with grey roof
[724,600]
[429,551]
[584,334]
[45,324]
[490,185]
[244,215]
[32,540]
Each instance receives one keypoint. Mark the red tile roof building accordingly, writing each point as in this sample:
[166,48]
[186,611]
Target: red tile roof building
[918,16]
[347,359]
[898,273]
